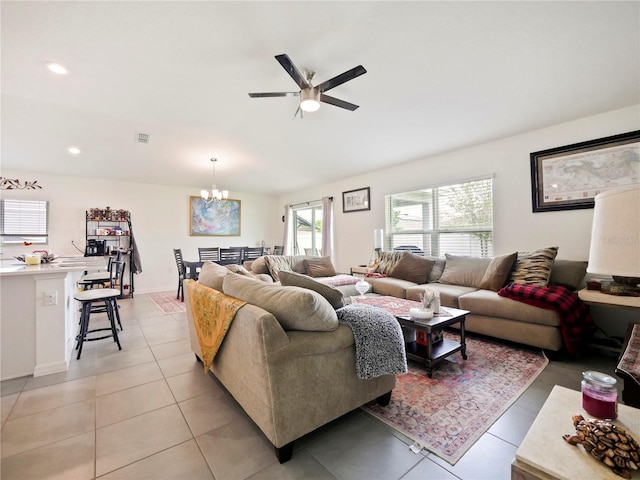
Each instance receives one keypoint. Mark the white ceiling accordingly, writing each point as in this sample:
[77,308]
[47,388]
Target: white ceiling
[441,76]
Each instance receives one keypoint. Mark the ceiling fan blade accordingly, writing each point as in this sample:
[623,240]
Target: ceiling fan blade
[291,69]
[340,79]
[274,94]
[337,102]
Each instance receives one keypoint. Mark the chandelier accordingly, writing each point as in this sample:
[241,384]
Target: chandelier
[215,195]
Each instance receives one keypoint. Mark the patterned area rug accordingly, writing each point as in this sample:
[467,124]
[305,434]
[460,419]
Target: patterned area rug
[448,413]
[167,302]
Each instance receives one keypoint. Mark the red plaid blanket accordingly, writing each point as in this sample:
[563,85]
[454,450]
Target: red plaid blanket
[576,323]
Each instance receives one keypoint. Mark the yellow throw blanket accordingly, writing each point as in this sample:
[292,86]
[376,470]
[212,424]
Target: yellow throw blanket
[213,313]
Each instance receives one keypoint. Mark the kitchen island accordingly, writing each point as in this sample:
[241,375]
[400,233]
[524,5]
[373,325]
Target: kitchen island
[38,314]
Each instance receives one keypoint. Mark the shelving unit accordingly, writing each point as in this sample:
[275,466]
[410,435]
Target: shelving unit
[107,232]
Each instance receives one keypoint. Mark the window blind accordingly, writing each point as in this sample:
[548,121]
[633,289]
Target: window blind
[24,221]
[454,218]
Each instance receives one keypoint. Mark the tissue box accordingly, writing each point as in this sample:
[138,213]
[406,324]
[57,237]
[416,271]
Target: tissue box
[421,337]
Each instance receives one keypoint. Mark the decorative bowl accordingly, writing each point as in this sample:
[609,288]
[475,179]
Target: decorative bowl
[421,313]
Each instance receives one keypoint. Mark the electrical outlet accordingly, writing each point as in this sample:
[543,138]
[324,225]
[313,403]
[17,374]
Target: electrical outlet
[51,297]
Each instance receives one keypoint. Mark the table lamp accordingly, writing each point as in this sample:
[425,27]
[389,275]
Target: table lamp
[378,241]
[615,239]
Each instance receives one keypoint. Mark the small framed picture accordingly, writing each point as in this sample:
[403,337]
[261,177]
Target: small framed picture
[356,200]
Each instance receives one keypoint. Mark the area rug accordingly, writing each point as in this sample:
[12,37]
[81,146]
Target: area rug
[448,413]
[167,302]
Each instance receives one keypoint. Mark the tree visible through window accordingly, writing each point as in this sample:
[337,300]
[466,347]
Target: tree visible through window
[24,221]
[456,219]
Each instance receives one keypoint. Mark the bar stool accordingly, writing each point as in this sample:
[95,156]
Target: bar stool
[87,297]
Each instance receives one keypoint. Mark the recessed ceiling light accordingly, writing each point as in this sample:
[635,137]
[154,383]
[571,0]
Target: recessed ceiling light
[74,150]
[57,68]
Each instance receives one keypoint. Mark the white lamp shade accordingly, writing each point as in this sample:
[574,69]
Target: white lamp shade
[615,234]
[378,238]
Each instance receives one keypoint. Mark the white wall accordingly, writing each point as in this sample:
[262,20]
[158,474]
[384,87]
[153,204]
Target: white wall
[515,226]
[159,216]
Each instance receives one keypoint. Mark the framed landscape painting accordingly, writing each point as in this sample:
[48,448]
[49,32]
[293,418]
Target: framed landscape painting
[214,219]
[569,177]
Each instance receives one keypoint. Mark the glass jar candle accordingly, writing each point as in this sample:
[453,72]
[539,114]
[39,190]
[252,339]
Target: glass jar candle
[599,395]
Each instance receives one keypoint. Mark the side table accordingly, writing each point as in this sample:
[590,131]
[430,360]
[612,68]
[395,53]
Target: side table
[543,454]
[359,271]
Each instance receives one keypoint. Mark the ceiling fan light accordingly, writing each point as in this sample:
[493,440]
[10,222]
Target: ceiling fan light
[310,99]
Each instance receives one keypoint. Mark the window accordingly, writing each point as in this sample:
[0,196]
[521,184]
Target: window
[307,236]
[456,219]
[24,221]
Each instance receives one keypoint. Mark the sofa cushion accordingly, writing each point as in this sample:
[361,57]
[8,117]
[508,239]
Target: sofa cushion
[295,308]
[275,264]
[534,268]
[490,304]
[388,260]
[498,272]
[319,267]
[464,271]
[211,275]
[394,287]
[449,294]
[568,273]
[332,294]
[413,268]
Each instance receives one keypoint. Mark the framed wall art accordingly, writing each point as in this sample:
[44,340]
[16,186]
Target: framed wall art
[569,177]
[214,219]
[356,200]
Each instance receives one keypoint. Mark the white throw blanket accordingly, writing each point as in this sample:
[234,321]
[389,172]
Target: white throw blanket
[378,339]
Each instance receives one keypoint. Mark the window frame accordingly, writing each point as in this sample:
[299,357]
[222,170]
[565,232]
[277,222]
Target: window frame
[433,231]
[20,233]
[315,207]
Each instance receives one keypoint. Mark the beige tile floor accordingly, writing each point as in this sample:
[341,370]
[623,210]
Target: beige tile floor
[150,412]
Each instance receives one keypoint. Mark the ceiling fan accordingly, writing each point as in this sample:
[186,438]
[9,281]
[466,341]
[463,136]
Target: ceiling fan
[310,96]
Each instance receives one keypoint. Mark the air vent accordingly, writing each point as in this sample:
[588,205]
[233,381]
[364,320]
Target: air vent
[142,137]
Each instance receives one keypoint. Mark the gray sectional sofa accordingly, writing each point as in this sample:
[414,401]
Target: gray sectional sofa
[472,283]
[285,359]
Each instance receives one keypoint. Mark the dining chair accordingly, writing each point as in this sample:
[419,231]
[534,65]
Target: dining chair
[211,254]
[231,256]
[252,253]
[177,253]
[278,249]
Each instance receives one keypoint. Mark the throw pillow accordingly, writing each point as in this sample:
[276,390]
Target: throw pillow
[294,307]
[259,265]
[212,275]
[319,267]
[498,271]
[332,294]
[534,268]
[276,263]
[464,271]
[240,270]
[568,273]
[413,268]
[388,260]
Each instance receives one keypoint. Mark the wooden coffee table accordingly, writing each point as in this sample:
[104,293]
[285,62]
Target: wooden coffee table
[431,353]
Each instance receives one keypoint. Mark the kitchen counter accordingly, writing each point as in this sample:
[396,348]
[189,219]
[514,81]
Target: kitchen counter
[38,314]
